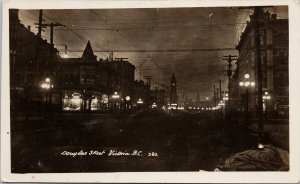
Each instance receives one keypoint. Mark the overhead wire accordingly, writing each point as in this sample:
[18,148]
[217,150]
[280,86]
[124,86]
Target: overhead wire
[106,30]
[153,27]
[114,28]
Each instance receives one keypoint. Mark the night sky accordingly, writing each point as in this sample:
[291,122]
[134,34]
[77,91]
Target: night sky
[155,29]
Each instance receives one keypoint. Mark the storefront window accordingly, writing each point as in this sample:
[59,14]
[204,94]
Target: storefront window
[95,104]
[72,103]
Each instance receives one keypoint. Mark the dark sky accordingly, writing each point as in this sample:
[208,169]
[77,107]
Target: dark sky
[155,29]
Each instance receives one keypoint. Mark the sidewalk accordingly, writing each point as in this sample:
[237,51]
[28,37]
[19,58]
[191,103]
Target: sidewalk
[276,130]
[269,158]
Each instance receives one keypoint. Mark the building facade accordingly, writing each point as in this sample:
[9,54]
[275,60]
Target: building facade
[274,59]
[95,85]
[71,84]
[32,61]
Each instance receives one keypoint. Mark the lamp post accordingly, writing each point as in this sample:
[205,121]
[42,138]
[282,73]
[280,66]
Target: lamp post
[128,105]
[220,105]
[46,85]
[247,83]
[115,98]
[140,103]
[226,98]
[266,97]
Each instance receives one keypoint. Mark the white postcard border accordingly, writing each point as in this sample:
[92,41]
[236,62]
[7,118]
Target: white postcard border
[292,176]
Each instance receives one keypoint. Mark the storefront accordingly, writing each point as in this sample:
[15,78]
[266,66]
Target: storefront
[75,101]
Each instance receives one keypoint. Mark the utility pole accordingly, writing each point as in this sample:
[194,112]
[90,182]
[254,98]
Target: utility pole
[158,82]
[257,11]
[229,59]
[122,71]
[256,17]
[52,25]
[220,88]
[148,79]
[215,100]
[40,27]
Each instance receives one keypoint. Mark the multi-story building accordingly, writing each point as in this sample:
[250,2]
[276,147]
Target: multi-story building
[274,59]
[89,84]
[31,62]
[83,83]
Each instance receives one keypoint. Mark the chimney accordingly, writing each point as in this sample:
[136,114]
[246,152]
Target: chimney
[29,28]
[274,16]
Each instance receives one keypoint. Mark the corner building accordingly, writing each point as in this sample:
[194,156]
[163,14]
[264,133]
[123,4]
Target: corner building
[274,46]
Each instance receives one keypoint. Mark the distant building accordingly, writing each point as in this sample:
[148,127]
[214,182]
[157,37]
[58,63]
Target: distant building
[173,92]
[159,97]
[141,91]
[89,84]
[274,57]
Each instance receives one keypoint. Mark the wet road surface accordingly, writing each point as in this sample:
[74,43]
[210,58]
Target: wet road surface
[142,141]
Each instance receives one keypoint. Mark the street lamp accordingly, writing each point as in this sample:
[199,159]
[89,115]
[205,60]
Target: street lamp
[226,98]
[115,98]
[127,102]
[140,101]
[154,105]
[115,95]
[46,85]
[266,97]
[247,83]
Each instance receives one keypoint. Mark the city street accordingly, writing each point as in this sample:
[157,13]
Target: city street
[178,142]
[149,89]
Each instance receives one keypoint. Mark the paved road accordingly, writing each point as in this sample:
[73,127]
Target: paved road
[143,141]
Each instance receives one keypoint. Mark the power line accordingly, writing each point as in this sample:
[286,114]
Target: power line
[112,27]
[152,27]
[66,28]
[163,50]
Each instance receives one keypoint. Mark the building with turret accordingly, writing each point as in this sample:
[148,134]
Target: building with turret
[91,84]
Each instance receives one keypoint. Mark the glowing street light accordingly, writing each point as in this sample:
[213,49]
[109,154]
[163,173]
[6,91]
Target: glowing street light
[46,85]
[115,95]
[266,96]
[140,101]
[127,98]
[247,83]
[154,105]
[226,98]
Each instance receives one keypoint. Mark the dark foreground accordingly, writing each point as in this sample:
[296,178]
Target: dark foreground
[144,141]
